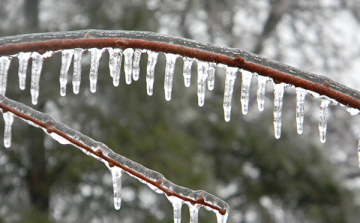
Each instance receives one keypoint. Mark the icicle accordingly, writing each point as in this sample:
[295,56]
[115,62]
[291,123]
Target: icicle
[300,98]
[245,90]
[229,88]
[150,76]
[115,57]
[4,68]
[23,64]
[323,119]
[136,64]
[77,70]
[177,204]
[203,68]
[94,66]
[116,174]
[128,54]
[211,78]
[278,102]
[187,70]
[194,212]
[8,119]
[221,218]
[261,92]
[36,67]
[65,65]
[169,74]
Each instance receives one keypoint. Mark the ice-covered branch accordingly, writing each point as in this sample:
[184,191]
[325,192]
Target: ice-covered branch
[85,39]
[116,163]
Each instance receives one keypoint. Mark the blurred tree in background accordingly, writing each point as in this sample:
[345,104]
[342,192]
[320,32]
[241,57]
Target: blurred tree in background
[294,179]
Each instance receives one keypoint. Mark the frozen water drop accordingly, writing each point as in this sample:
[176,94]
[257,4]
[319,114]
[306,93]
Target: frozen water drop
[187,70]
[36,67]
[65,65]
[136,64]
[324,104]
[23,64]
[177,204]
[221,218]
[169,74]
[245,90]
[128,55]
[116,174]
[211,78]
[8,119]
[194,212]
[150,76]
[115,58]
[203,74]
[77,70]
[278,103]
[94,66]
[229,88]
[261,91]
[300,112]
[4,68]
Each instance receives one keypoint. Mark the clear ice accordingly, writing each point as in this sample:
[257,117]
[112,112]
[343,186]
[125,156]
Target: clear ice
[4,68]
[358,152]
[221,218]
[77,70]
[169,74]
[261,91]
[300,98]
[211,78]
[115,58]
[177,204]
[66,58]
[324,104]
[23,64]
[150,69]
[245,90]
[203,69]
[116,174]
[136,64]
[194,212]
[187,70]
[229,88]
[36,67]
[278,103]
[8,119]
[128,64]
[94,66]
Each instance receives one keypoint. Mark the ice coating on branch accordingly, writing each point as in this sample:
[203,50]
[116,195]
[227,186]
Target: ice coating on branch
[136,64]
[94,66]
[300,112]
[36,67]
[261,91]
[203,69]
[23,64]
[116,174]
[177,204]
[278,103]
[245,90]
[169,74]
[66,58]
[77,70]
[324,104]
[4,68]
[229,88]
[8,119]
[194,212]
[115,58]
[187,70]
[211,78]
[128,64]
[150,69]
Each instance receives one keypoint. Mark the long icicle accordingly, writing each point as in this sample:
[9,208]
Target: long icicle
[194,212]
[278,103]
[136,64]
[229,88]
[116,174]
[323,119]
[115,58]
[211,78]
[128,64]
[300,112]
[77,70]
[203,74]
[177,204]
[169,74]
[65,65]
[150,69]
[8,119]
[261,92]
[94,67]
[36,67]
[187,70]
[245,90]
[23,64]
[4,68]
